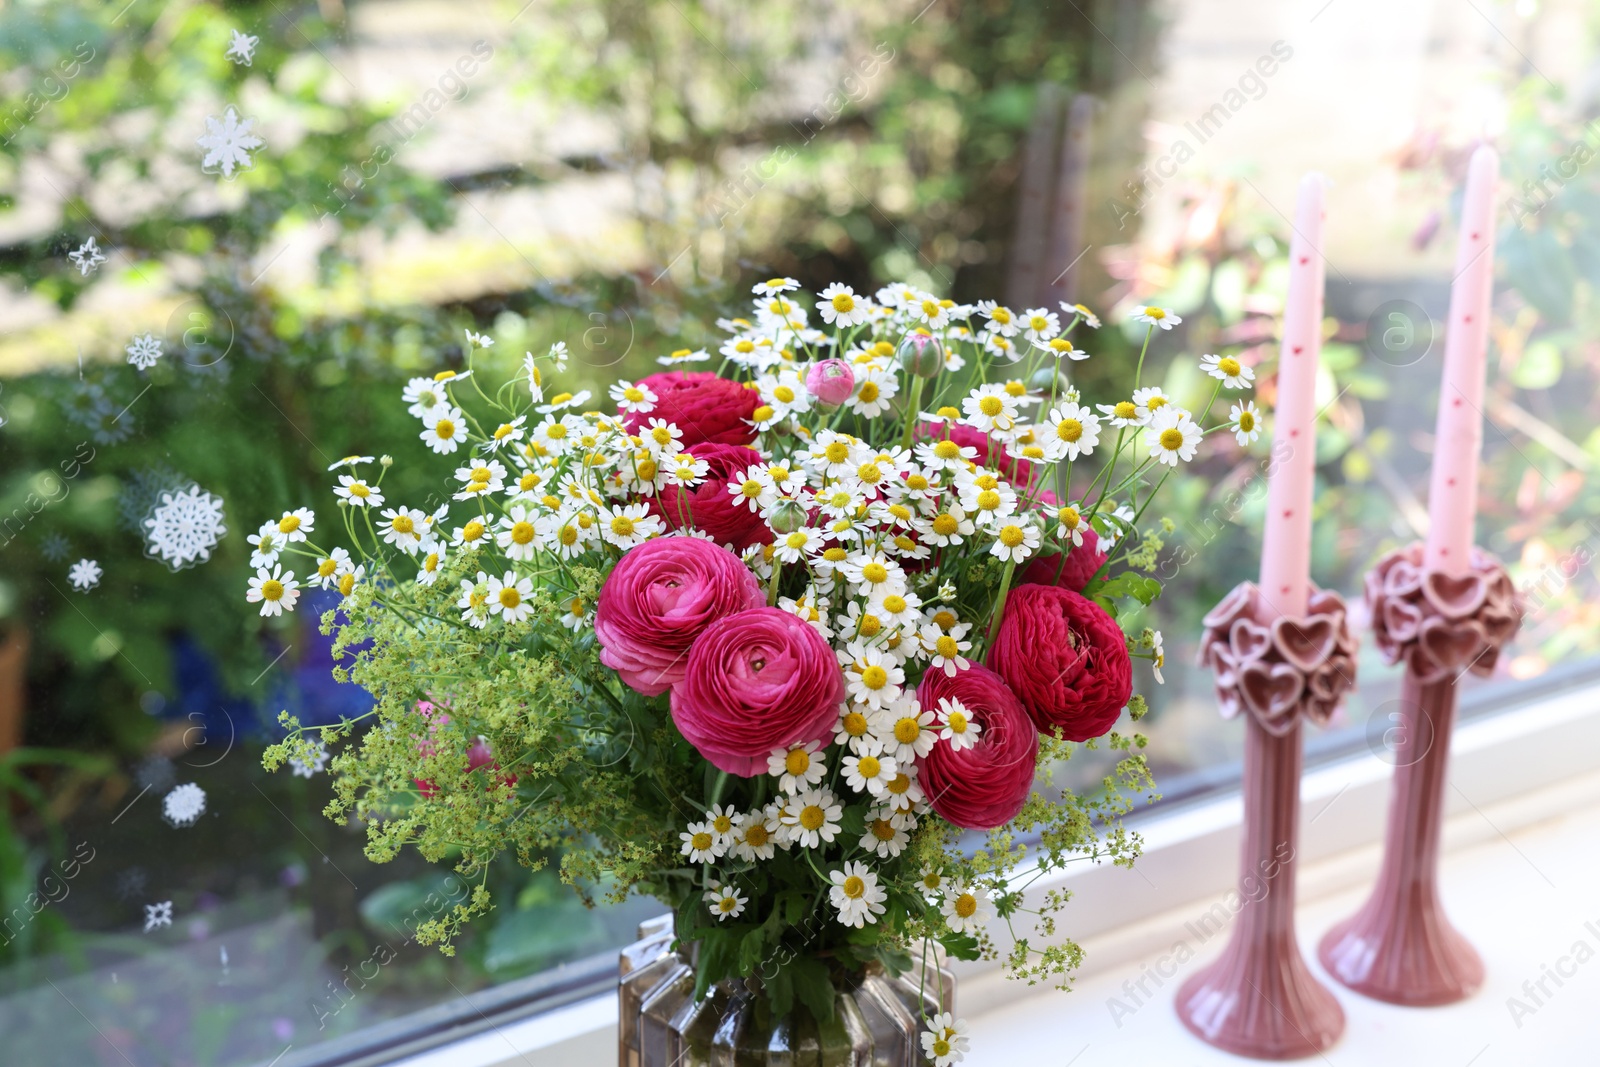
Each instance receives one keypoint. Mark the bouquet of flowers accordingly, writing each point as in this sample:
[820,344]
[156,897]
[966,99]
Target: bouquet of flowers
[766,643]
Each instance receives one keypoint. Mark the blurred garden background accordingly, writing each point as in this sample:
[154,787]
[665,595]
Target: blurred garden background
[615,174]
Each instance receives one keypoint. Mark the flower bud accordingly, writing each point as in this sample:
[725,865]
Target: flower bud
[921,355]
[1043,380]
[386,461]
[787,516]
[831,382]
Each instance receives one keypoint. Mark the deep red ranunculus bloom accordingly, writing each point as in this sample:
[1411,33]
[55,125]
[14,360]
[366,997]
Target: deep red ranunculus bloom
[657,600]
[702,405]
[1066,659]
[984,786]
[756,681]
[1070,570]
[709,506]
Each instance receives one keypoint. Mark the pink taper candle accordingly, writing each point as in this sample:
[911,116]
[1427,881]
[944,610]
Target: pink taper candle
[1453,492]
[1286,542]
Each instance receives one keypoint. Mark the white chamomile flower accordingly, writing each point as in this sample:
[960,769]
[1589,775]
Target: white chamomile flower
[629,525]
[854,730]
[564,401]
[906,730]
[1015,542]
[1151,315]
[638,399]
[1246,422]
[839,305]
[1152,639]
[990,408]
[508,597]
[403,528]
[875,388]
[872,675]
[700,843]
[1076,430]
[349,461]
[868,773]
[562,534]
[1087,317]
[296,524]
[84,575]
[1062,348]
[945,1041]
[518,533]
[507,434]
[429,572]
[474,602]
[723,820]
[1228,370]
[857,894]
[1122,414]
[956,725]
[474,534]
[904,794]
[756,835]
[330,567]
[265,544]
[559,355]
[577,616]
[1039,325]
[479,340]
[930,311]
[274,590]
[1172,435]
[1002,320]
[949,527]
[966,908]
[426,397]
[1070,524]
[1150,400]
[446,431]
[774,285]
[684,355]
[946,649]
[812,818]
[885,836]
[725,902]
[797,767]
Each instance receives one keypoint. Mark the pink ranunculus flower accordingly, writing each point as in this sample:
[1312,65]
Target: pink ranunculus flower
[758,680]
[658,599]
[831,381]
[984,786]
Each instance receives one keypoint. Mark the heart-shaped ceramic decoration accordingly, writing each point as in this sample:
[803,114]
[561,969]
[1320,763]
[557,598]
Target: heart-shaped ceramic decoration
[1239,601]
[1455,595]
[1451,644]
[1305,642]
[1247,640]
[1272,692]
[1402,578]
[1224,666]
[1401,619]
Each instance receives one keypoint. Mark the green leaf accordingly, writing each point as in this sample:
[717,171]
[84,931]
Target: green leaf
[961,946]
[813,986]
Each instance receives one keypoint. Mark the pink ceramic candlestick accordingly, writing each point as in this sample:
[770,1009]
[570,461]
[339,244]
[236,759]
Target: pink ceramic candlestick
[1286,544]
[1443,608]
[1453,490]
[1279,652]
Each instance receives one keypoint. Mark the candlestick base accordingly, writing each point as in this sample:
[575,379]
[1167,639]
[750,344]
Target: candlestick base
[1403,952]
[1261,1001]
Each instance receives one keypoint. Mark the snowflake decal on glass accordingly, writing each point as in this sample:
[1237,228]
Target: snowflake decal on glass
[184,805]
[143,351]
[184,527]
[228,143]
[306,769]
[84,575]
[157,915]
[242,48]
[87,257]
[55,547]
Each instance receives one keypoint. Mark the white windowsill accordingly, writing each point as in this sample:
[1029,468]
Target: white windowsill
[1522,843]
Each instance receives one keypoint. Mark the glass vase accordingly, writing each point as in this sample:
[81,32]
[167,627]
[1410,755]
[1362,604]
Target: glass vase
[877,1021]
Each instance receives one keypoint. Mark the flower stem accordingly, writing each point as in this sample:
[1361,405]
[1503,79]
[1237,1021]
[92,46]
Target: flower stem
[1000,600]
[772,583]
[911,411]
